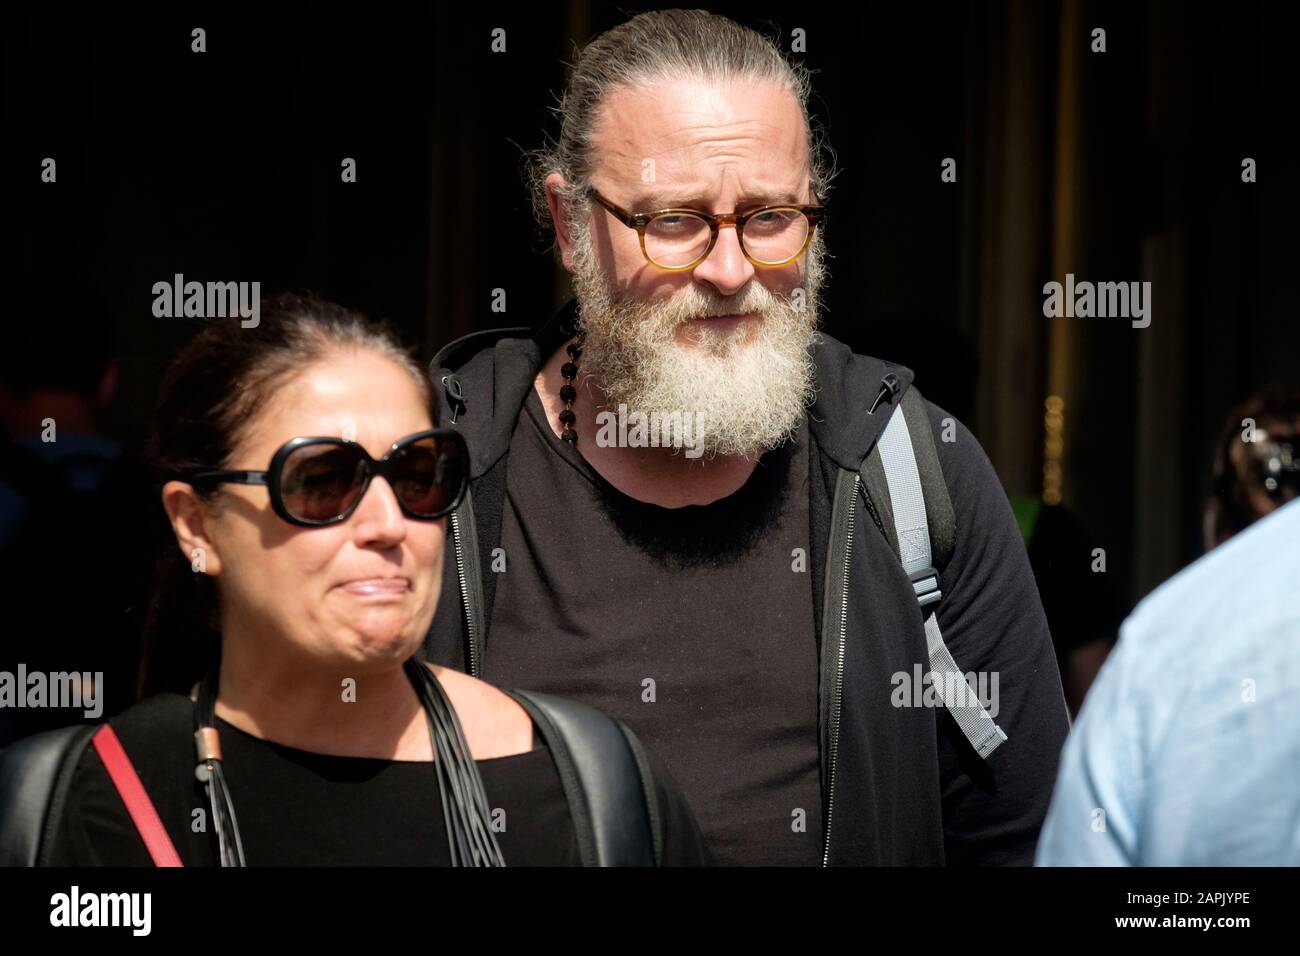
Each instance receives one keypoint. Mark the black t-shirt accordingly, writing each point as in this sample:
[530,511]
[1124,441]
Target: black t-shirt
[296,807]
[692,625]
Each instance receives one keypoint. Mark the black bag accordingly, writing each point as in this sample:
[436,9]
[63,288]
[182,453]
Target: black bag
[604,772]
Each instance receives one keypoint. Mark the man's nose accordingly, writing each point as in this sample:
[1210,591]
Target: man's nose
[726,268]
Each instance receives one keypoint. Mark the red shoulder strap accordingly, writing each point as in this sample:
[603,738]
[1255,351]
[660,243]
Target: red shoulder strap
[132,792]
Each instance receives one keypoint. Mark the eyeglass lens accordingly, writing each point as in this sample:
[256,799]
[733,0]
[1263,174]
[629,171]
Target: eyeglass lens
[321,482]
[772,237]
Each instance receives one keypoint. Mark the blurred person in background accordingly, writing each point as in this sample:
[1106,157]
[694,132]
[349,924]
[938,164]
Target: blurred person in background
[72,557]
[1256,465]
[1187,752]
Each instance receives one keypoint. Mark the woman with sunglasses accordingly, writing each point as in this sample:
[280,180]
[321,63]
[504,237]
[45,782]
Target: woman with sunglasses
[307,490]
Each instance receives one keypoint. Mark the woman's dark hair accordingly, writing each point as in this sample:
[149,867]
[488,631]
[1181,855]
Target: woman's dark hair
[211,393]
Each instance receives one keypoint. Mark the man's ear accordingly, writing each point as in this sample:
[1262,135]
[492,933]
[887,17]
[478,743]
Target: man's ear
[189,519]
[559,218]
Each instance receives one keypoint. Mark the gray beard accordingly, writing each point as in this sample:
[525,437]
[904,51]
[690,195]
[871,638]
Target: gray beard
[747,387]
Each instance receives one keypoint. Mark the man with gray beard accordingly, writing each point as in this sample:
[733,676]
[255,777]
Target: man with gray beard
[730,593]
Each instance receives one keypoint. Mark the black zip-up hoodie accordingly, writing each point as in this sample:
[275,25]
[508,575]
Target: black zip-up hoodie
[901,785]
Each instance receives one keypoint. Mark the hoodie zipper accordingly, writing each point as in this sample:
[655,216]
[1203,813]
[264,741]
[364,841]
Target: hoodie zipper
[456,400]
[466,544]
[851,506]
[472,651]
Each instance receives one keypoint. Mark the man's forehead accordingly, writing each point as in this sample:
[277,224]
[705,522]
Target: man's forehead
[752,192]
[691,129]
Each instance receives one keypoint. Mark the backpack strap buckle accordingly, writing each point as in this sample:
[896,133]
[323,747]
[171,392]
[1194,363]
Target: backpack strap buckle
[925,583]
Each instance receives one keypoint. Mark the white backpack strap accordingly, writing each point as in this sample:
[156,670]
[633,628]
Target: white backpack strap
[907,503]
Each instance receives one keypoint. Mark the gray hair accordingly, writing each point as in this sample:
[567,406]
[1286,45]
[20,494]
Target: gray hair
[651,47]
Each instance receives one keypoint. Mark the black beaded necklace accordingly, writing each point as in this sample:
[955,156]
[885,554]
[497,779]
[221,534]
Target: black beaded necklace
[568,392]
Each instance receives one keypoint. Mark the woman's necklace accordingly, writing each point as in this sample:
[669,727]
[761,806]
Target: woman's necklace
[470,838]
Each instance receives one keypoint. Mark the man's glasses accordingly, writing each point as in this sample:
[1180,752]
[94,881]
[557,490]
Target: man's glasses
[680,239]
[320,481]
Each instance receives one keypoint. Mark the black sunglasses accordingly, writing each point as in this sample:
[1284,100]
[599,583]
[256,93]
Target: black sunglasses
[320,481]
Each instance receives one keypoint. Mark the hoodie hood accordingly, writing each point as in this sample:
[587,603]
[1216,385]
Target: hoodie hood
[482,380]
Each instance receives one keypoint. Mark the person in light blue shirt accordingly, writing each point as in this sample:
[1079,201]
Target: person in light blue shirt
[1187,749]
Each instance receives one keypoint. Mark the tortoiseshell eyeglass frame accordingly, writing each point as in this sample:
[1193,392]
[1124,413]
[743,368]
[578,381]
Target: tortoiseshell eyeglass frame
[640,221]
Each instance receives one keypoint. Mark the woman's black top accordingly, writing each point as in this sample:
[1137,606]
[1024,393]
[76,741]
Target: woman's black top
[295,807]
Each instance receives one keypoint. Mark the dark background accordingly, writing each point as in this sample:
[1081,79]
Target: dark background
[1116,166]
